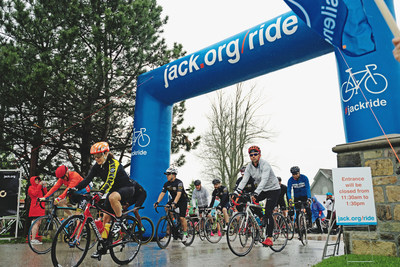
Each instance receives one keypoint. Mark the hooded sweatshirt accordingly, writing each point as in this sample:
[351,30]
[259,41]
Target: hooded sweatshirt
[36,191]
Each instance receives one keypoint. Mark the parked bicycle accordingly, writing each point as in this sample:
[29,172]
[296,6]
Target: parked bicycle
[169,226]
[47,226]
[8,223]
[244,230]
[69,248]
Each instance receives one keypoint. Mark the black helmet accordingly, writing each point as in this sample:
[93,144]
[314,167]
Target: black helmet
[294,169]
[279,179]
[216,181]
[197,182]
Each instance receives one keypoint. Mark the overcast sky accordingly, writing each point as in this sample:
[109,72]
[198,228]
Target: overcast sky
[302,102]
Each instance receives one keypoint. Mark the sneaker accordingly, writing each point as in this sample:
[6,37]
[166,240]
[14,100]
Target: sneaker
[95,255]
[268,242]
[184,238]
[36,242]
[219,233]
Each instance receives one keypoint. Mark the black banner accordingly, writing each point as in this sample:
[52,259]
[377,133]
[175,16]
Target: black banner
[9,184]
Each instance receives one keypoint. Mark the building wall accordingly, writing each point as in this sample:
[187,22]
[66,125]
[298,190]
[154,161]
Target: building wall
[384,238]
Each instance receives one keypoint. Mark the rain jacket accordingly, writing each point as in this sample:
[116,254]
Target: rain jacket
[36,191]
[73,180]
[317,209]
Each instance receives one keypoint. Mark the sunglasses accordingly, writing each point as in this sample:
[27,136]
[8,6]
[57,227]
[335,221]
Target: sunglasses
[253,154]
[98,156]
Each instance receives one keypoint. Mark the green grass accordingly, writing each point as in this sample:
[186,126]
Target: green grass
[385,261]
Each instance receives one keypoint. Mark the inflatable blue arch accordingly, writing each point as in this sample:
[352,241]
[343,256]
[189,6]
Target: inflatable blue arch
[267,47]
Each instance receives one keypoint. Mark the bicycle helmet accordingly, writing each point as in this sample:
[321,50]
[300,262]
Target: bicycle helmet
[99,147]
[197,182]
[329,194]
[61,171]
[294,169]
[254,149]
[171,170]
[216,181]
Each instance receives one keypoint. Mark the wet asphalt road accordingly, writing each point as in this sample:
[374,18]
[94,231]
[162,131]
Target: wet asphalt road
[200,253]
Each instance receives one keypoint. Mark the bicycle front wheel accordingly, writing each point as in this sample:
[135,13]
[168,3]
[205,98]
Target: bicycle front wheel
[190,232]
[303,229]
[148,233]
[291,230]
[213,230]
[280,232]
[45,228]
[163,232]
[71,242]
[246,231]
[126,243]
[200,227]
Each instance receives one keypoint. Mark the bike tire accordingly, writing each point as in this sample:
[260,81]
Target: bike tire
[65,241]
[126,243]
[374,85]
[303,228]
[191,233]
[148,226]
[211,229]
[244,242]
[290,224]
[280,232]
[163,232]
[201,231]
[46,230]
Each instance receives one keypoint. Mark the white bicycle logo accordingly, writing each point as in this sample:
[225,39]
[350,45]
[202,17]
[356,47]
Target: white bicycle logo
[142,139]
[374,83]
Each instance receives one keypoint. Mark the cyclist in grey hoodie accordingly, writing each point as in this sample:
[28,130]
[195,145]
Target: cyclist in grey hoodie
[268,188]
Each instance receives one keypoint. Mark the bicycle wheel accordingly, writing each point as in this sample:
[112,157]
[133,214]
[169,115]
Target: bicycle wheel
[191,233]
[213,230]
[46,227]
[244,242]
[200,228]
[71,242]
[126,243]
[233,230]
[148,233]
[291,230]
[163,232]
[280,232]
[303,229]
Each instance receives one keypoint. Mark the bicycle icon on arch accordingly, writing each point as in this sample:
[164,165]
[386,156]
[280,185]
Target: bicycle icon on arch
[142,139]
[374,83]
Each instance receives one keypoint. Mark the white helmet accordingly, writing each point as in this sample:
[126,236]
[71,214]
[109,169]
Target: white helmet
[172,170]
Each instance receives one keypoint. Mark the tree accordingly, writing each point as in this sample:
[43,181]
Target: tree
[233,125]
[69,72]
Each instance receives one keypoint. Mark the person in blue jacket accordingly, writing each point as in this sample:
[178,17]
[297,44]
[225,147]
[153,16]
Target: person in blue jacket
[317,213]
[301,191]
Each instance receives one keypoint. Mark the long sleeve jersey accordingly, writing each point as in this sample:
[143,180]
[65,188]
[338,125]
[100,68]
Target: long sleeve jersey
[201,197]
[301,187]
[263,175]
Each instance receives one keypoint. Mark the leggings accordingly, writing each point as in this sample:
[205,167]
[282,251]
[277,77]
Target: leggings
[272,198]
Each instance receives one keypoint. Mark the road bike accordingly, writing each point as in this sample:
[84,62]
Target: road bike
[374,83]
[47,226]
[214,227]
[200,222]
[299,221]
[123,242]
[169,226]
[244,230]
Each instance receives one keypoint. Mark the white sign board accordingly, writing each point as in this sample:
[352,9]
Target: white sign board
[354,196]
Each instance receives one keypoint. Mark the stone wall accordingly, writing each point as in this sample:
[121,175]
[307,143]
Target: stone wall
[376,153]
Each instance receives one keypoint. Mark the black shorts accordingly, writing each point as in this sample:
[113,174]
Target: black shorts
[182,205]
[129,196]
